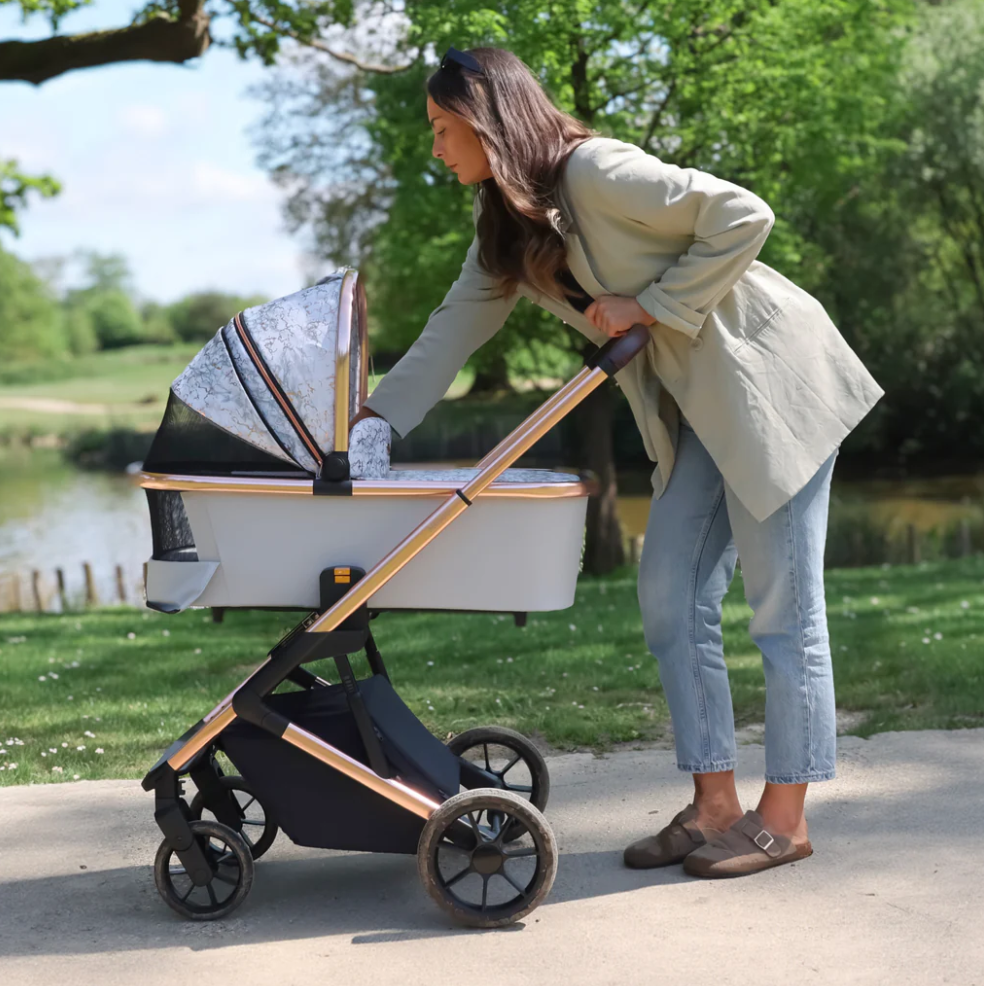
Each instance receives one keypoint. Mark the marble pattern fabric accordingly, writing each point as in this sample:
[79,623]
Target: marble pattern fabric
[370,441]
[266,403]
[209,385]
[296,336]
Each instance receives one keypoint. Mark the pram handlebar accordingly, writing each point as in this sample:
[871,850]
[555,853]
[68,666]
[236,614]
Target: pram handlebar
[619,351]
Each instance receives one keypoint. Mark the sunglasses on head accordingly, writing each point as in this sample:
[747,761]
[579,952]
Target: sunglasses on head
[454,57]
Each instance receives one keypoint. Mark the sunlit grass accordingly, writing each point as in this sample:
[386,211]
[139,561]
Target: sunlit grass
[907,643]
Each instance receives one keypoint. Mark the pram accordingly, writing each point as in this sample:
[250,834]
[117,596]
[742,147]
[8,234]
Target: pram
[260,497]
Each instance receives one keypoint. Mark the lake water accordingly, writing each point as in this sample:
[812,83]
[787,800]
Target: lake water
[54,515]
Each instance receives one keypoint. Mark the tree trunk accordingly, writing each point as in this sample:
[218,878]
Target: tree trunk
[593,419]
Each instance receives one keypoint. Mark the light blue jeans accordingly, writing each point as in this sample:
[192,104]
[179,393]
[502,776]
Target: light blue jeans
[695,534]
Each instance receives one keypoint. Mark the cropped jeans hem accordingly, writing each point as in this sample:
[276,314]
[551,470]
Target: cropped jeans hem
[711,768]
[809,778]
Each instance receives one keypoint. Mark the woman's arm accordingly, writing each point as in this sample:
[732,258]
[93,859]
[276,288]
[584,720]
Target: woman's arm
[467,318]
[727,226]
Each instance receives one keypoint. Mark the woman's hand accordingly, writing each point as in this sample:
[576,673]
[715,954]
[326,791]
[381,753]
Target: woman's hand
[615,315]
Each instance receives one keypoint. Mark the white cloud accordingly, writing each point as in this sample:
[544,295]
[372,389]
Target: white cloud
[218,183]
[143,120]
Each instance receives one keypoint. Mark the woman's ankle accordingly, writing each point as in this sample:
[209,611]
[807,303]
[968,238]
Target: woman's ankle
[782,810]
[716,799]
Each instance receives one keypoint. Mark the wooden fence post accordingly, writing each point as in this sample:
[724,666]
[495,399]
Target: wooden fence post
[91,597]
[15,583]
[36,589]
[120,587]
[60,579]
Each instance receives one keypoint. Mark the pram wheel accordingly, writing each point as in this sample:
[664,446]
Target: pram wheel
[232,878]
[258,828]
[472,873]
[500,751]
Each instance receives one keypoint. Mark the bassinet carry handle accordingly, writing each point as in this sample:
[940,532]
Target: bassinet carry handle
[619,351]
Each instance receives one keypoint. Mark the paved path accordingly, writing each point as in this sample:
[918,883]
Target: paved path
[892,895]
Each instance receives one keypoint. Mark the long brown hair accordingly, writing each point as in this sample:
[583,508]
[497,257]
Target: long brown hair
[527,141]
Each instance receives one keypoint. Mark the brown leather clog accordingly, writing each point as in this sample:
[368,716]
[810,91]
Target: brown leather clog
[671,844]
[746,847]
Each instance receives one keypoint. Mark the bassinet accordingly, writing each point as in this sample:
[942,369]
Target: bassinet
[255,485]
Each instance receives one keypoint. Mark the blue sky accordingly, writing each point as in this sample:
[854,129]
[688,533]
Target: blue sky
[155,164]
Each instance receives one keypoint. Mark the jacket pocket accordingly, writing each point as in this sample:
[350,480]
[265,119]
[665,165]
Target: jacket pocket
[751,336]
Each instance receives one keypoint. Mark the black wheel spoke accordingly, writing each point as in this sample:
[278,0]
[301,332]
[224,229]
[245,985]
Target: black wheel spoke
[475,826]
[509,766]
[485,892]
[251,821]
[459,876]
[187,893]
[506,876]
[520,852]
[488,766]
[248,803]
[233,882]
[211,895]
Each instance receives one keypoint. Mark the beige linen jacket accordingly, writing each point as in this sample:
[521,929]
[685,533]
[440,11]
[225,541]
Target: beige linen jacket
[759,370]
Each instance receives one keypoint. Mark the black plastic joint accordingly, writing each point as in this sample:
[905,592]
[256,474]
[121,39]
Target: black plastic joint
[330,487]
[249,706]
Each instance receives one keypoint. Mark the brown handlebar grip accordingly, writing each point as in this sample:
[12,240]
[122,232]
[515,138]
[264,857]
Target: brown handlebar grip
[619,351]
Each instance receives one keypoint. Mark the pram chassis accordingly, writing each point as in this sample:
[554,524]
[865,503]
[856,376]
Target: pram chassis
[341,629]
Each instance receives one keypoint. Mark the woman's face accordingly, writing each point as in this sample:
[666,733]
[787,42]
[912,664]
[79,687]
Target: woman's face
[457,146]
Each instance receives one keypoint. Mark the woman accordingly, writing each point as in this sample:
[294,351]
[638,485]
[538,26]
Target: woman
[742,398]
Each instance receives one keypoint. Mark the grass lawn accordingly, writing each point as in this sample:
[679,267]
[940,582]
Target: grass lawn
[100,694]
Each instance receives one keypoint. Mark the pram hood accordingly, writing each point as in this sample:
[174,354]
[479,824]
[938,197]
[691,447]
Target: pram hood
[265,391]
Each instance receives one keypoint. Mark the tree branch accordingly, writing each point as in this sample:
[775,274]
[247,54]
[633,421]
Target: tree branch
[158,40]
[340,55]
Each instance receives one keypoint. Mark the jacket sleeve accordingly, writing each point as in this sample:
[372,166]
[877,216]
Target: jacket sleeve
[467,318]
[721,228]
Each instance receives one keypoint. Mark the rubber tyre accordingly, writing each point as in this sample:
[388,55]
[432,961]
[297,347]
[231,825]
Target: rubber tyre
[240,851]
[503,736]
[236,783]
[515,808]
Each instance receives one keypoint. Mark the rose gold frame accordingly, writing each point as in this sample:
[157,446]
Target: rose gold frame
[490,467]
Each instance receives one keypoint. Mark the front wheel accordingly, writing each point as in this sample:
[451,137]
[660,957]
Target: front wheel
[473,872]
[232,874]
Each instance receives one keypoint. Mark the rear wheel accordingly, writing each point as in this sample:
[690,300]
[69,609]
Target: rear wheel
[473,872]
[258,829]
[495,756]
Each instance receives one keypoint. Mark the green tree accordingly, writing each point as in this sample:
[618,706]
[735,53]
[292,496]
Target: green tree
[31,322]
[102,314]
[115,320]
[14,186]
[157,326]
[785,97]
[197,317]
